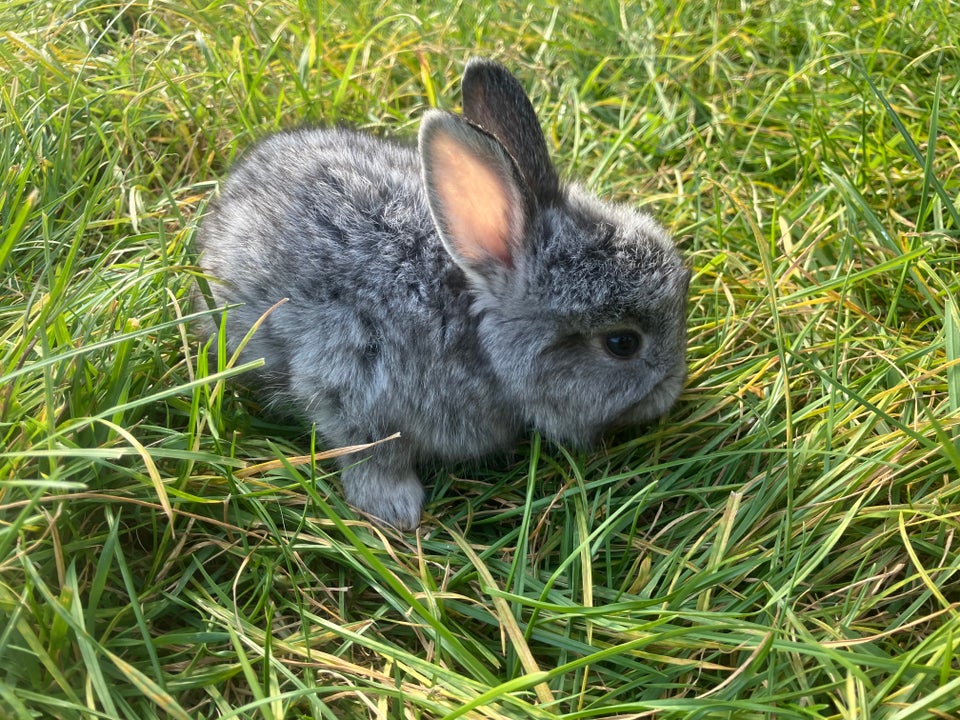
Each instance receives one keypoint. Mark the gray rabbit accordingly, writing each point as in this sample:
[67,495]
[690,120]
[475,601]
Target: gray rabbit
[456,292]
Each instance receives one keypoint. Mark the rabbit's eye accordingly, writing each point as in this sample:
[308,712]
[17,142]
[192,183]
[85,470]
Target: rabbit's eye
[622,344]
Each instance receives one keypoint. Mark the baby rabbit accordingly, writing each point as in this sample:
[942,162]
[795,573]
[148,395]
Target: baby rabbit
[456,292]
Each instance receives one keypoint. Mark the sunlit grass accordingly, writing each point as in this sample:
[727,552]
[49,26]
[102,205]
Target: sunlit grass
[783,544]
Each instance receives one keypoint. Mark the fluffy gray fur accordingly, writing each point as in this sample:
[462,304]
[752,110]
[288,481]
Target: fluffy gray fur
[398,320]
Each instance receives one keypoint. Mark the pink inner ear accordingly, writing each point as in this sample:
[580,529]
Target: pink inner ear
[477,203]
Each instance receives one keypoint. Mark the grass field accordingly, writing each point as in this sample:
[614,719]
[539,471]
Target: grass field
[784,544]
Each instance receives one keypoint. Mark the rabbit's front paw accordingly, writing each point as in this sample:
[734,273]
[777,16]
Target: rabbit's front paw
[392,495]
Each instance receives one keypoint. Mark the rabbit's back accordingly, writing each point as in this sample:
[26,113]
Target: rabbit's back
[314,205]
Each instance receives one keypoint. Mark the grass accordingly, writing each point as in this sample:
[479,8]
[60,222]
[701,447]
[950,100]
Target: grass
[783,545]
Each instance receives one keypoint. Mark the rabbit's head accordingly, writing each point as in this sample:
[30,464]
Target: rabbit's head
[582,303]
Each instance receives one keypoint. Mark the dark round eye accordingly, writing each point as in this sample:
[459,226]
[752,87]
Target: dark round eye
[622,344]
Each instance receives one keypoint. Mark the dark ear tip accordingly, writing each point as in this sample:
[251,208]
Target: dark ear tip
[477,63]
[478,67]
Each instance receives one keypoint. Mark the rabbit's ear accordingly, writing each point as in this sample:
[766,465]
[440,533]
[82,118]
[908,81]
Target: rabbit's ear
[474,192]
[494,100]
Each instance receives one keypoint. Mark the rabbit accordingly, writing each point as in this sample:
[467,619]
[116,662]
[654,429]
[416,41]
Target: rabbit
[457,292]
